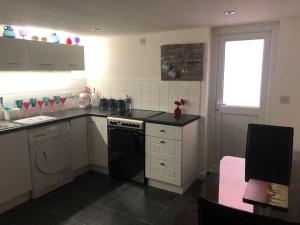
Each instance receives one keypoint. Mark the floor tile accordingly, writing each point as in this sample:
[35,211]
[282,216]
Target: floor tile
[54,219]
[100,216]
[117,202]
[180,212]
[29,215]
[145,211]
[94,198]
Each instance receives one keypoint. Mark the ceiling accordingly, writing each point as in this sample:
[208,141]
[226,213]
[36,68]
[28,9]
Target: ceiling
[123,17]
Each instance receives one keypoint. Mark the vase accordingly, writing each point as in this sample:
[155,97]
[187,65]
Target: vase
[8,31]
[177,112]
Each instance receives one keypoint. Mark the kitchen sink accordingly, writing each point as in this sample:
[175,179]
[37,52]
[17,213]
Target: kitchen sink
[35,119]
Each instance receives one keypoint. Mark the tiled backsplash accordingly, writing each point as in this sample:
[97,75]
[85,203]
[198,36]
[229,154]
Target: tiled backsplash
[152,94]
[74,87]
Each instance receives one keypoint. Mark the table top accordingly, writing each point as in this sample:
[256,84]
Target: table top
[227,188]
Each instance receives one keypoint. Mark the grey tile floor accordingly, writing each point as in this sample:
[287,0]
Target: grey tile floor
[94,198]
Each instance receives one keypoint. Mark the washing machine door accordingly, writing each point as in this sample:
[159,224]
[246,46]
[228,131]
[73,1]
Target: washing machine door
[52,156]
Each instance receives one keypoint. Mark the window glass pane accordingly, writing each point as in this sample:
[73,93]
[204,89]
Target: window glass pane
[242,72]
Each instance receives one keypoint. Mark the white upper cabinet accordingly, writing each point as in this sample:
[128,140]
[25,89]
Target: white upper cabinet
[14,55]
[22,55]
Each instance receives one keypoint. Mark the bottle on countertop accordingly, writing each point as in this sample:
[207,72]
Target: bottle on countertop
[95,97]
[128,103]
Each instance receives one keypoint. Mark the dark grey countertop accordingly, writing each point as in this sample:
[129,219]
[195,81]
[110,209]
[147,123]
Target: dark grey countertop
[59,116]
[169,119]
[164,118]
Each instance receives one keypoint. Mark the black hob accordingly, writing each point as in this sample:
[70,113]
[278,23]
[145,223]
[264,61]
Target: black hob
[136,114]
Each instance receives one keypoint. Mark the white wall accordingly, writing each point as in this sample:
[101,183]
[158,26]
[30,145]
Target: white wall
[286,80]
[125,60]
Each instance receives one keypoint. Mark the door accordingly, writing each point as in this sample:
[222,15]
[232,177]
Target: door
[99,155]
[79,143]
[126,153]
[243,67]
[52,156]
[14,54]
[15,177]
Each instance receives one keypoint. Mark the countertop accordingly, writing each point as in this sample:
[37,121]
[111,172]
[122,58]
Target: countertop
[164,118]
[59,116]
[169,119]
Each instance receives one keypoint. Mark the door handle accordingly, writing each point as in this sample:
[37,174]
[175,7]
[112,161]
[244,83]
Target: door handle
[162,142]
[162,131]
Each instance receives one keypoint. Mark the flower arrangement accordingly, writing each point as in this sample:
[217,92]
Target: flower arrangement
[177,110]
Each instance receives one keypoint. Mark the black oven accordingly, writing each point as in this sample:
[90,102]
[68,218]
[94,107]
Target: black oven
[126,150]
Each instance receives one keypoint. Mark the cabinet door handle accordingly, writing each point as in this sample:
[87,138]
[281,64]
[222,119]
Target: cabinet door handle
[162,142]
[13,63]
[46,64]
[162,164]
[162,131]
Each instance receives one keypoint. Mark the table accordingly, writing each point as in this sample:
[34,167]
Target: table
[227,188]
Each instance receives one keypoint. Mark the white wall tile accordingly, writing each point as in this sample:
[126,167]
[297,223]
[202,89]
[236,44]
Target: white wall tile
[146,85]
[194,87]
[173,86]
[137,99]
[146,100]
[194,98]
[184,86]
[163,101]
[154,100]
[164,86]
[137,85]
[154,85]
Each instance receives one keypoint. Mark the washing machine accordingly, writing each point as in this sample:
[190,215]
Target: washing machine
[50,158]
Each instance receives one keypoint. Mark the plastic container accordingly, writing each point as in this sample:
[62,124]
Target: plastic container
[12,114]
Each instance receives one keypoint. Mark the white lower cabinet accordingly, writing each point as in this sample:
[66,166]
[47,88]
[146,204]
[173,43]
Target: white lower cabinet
[172,156]
[98,141]
[79,139]
[15,178]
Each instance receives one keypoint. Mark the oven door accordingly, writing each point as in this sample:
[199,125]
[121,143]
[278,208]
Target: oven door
[126,153]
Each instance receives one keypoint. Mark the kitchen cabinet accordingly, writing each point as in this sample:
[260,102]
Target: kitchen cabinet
[171,156]
[14,55]
[15,175]
[79,143]
[24,55]
[49,56]
[98,142]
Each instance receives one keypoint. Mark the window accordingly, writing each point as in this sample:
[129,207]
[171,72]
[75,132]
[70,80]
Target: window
[243,72]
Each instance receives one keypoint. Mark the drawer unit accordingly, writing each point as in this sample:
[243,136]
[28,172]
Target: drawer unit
[164,171]
[162,148]
[163,131]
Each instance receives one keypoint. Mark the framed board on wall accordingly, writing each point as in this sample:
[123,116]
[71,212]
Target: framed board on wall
[182,62]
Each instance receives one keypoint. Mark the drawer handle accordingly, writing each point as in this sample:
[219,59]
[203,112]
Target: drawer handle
[162,142]
[162,164]
[162,131]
